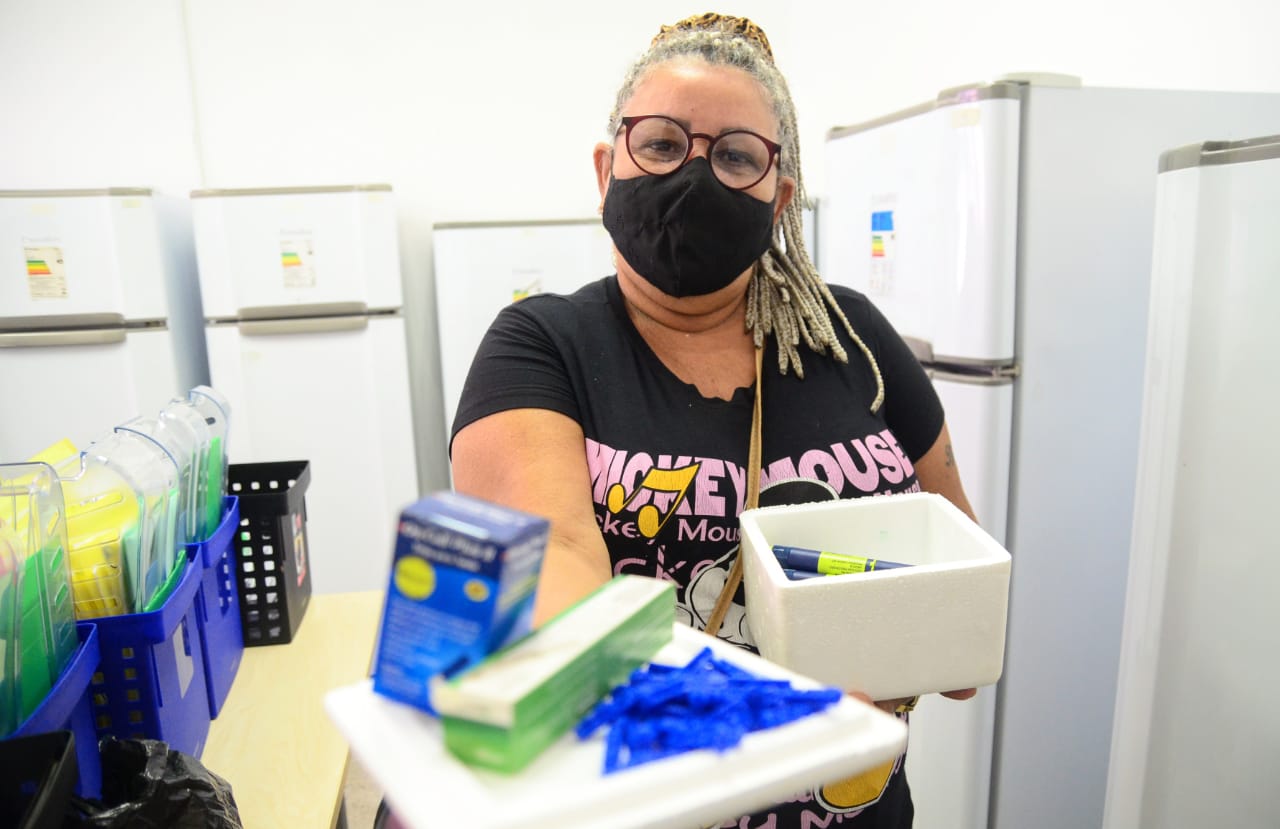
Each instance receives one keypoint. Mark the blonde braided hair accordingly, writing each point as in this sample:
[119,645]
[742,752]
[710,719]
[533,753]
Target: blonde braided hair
[787,297]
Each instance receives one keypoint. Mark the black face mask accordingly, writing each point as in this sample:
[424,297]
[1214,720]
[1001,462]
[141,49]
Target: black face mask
[686,233]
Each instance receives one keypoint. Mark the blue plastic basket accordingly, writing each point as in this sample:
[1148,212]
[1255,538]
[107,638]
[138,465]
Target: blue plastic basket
[151,681]
[67,708]
[218,605]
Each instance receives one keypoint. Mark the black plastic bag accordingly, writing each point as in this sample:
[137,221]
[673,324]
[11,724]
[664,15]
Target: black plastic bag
[146,784]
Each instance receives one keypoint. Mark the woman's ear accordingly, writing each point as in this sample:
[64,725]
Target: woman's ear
[603,158]
[786,192]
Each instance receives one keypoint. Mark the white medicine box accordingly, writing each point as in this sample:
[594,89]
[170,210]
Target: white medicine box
[937,625]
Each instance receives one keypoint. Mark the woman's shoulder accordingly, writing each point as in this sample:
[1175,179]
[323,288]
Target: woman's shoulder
[848,297]
[857,306]
[588,299]
[565,313]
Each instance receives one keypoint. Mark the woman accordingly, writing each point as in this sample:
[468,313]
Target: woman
[623,412]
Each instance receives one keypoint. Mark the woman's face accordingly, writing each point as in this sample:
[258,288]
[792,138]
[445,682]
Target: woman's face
[705,99]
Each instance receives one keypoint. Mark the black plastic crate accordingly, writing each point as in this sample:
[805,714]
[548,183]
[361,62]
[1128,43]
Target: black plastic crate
[39,775]
[273,567]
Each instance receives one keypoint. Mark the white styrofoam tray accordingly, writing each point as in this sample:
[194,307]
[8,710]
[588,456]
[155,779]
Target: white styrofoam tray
[936,626]
[565,787]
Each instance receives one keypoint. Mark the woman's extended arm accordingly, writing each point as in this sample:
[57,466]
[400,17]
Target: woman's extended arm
[535,460]
[937,472]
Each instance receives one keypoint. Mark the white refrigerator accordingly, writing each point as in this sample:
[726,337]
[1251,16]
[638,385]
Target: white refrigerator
[99,313]
[481,267]
[1196,739]
[302,302]
[1004,229]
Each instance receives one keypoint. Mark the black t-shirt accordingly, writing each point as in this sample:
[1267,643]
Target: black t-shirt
[667,465]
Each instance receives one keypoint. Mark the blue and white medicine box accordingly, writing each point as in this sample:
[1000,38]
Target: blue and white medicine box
[462,585]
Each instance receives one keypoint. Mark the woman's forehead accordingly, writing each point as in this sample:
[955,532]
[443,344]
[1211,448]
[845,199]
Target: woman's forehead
[692,88]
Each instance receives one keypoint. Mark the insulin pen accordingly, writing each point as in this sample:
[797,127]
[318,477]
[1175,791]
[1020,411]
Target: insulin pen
[799,575]
[829,564]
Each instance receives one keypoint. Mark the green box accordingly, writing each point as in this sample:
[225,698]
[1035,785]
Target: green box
[506,710]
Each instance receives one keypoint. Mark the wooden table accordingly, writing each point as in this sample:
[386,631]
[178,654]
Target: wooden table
[273,741]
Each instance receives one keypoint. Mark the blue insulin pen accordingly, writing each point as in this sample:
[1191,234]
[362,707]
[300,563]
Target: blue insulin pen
[824,563]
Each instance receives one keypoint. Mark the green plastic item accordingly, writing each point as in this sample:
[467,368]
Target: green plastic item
[505,711]
[180,416]
[215,482]
[10,642]
[33,529]
[216,411]
[34,632]
[166,590]
[56,587]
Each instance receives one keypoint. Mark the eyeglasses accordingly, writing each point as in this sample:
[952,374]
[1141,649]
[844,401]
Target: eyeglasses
[658,145]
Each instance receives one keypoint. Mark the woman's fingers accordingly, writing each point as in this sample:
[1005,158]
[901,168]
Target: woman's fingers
[967,693]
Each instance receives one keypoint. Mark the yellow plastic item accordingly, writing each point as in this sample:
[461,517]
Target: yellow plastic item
[56,454]
[102,517]
[98,529]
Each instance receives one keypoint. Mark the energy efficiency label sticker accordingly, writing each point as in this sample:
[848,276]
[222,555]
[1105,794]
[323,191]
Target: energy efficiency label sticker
[883,242]
[297,259]
[46,272]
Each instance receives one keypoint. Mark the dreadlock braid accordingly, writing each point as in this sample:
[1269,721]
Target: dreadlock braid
[787,298]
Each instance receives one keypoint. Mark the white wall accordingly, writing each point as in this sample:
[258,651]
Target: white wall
[95,95]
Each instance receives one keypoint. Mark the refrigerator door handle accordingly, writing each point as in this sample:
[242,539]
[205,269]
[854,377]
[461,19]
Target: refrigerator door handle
[88,336]
[313,309]
[923,349]
[997,376]
[62,322]
[309,325]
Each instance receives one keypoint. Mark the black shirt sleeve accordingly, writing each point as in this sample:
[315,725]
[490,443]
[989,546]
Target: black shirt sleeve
[516,366]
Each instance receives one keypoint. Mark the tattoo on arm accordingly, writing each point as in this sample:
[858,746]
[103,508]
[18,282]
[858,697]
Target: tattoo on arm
[951,456]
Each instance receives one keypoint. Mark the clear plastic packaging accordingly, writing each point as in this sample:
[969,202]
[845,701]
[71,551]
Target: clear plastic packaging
[216,410]
[122,509]
[33,535]
[153,475]
[185,440]
[102,520]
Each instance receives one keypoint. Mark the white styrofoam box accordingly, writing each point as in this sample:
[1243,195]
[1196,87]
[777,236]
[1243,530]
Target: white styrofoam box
[303,246]
[936,626]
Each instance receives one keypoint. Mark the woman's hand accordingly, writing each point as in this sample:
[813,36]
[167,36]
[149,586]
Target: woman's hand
[891,705]
[886,705]
[967,693]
